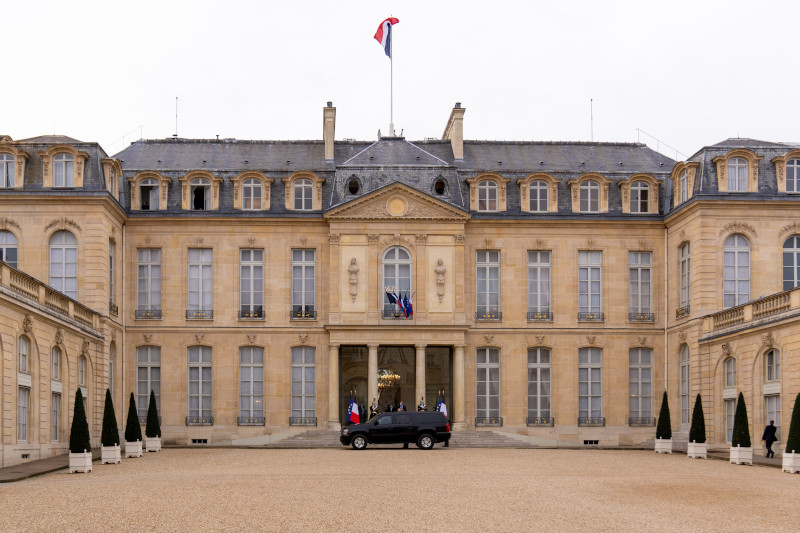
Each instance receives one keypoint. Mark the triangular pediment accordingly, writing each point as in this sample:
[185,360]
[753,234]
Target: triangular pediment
[394,202]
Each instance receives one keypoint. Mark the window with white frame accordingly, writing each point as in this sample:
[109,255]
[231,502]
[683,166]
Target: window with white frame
[148,378]
[8,248]
[730,372]
[111,272]
[55,364]
[730,413]
[488,383]
[737,174]
[539,287]
[64,263]
[772,360]
[148,283]
[55,415]
[82,371]
[6,170]
[63,170]
[539,196]
[487,279]
[640,266]
[304,396]
[685,275]
[251,194]
[304,267]
[684,185]
[396,267]
[590,197]
[200,383]
[487,195]
[539,383]
[772,408]
[640,197]
[23,356]
[200,283]
[23,404]
[793,175]
[684,368]
[303,194]
[251,283]
[148,194]
[590,265]
[590,383]
[251,384]
[640,371]
[736,274]
[791,263]
[200,189]
[111,367]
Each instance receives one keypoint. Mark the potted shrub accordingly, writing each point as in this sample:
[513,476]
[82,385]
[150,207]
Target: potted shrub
[80,446]
[664,428]
[133,432]
[697,447]
[791,457]
[110,450]
[152,432]
[741,447]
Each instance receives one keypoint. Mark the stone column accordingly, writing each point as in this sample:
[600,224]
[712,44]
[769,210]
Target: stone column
[458,415]
[420,363]
[372,373]
[334,423]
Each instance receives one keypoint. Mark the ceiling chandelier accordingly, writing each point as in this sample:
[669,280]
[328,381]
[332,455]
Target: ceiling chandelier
[387,378]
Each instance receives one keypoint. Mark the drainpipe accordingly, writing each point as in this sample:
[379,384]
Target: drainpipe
[666,307]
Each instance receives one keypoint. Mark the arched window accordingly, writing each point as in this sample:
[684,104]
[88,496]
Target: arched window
[6,170]
[148,194]
[200,194]
[487,195]
[737,174]
[251,194]
[736,273]
[640,197]
[791,262]
[772,361]
[352,186]
[396,279]
[82,371]
[64,263]
[793,175]
[590,197]
[730,372]
[539,386]
[685,385]
[303,195]
[63,170]
[539,194]
[684,186]
[440,186]
[8,248]
[24,355]
[55,364]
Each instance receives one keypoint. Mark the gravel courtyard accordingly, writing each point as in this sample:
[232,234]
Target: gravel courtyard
[405,490]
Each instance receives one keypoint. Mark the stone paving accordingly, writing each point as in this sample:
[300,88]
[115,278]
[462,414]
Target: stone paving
[382,489]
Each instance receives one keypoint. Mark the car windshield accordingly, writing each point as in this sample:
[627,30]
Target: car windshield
[383,420]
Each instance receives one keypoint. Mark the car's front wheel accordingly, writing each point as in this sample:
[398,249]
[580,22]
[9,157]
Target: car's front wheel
[359,442]
[425,441]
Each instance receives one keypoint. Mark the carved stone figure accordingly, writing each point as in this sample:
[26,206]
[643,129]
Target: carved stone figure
[353,270]
[440,270]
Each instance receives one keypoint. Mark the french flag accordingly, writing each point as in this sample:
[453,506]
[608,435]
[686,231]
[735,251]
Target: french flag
[353,416]
[384,35]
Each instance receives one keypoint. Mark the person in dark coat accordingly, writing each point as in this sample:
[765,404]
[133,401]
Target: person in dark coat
[769,437]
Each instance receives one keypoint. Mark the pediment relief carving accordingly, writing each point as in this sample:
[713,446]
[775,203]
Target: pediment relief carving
[397,202]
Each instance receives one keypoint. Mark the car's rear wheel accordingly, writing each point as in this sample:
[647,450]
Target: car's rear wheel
[359,442]
[425,441]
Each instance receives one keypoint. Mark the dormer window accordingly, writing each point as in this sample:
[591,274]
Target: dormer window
[63,170]
[793,175]
[352,186]
[487,195]
[200,194]
[590,197]
[251,194]
[6,170]
[303,191]
[439,187]
[640,197]
[303,195]
[737,174]
[684,186]
[148,191]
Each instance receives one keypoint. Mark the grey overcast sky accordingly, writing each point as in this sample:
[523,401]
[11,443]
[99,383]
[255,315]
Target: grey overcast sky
[689,73]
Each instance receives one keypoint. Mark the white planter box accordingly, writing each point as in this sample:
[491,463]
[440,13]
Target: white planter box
[80,462]
[742,456]
[133,449]
[110,454]
[152,444]
[697,450]
[663,445]
[791,462]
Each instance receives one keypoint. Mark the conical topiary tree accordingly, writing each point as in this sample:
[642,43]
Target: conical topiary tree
[697,431]
[79,439]
[741,429]
[110,436]
[793,442]
[153,428]
[664,428]
[133,431]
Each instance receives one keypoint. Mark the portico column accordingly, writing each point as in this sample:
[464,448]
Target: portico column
[372,373]
[459,420]
[420,363]
[333,388]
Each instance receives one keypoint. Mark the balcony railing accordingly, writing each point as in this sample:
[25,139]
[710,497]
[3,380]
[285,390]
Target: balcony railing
[762,309]
[252,421]
[199,314]
[254,313]
[591,421]
[113,308]
[485,421]
[303,421]
[539,421]
[641,421]
[641,317]
[303,312]
[488,313]
[143,420]
[148,314]
[540,316]
[199,420]
[394,312]
[682,312]
[591,317]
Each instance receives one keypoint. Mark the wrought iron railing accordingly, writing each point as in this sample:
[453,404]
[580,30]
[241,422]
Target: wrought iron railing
[539,421]
[483,421]
[143,420]
[591,317]
[394,311]
[148,313]
[641,421]
[199,420]
[682,312]
[257,312]
[303,312]
[540,315]
[591,421]
[252,421]
[642,317]
[200,314]
[488,313]
[303,421]
[113,308]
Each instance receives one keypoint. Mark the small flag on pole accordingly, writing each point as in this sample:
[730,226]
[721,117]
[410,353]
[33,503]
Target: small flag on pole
[384,35]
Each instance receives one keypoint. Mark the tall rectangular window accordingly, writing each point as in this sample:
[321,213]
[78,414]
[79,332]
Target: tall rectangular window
[539,383]
[590,265]
[55,415]
[148,378]
[488,284]
[304,397]
[640,285]
[772,360]
[251,283]
[303,283]
[251,385]
[684,386]
[640,385]
[685,275]
[200,279]
[148,283]
[6,170]
[730,411]
[539,285]
[772,406]
[590,383]
[200,385]
[488,383]
[23,402]
[111,272]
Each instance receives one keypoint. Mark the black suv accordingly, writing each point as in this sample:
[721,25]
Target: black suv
[420,427]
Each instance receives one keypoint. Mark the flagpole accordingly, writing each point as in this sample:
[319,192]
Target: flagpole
[391,83]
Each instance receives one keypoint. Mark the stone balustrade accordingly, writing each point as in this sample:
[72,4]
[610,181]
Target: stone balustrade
[755,310]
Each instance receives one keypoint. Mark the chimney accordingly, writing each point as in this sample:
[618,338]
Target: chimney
[328,129]
[455,131]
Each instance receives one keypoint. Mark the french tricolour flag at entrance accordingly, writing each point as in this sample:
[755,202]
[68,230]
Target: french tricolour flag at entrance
[352,411]
[384,35]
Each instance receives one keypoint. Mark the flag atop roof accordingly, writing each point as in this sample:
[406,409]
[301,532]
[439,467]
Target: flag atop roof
[384,35]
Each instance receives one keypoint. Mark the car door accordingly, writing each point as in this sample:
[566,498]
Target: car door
[381,428]
[404,428]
